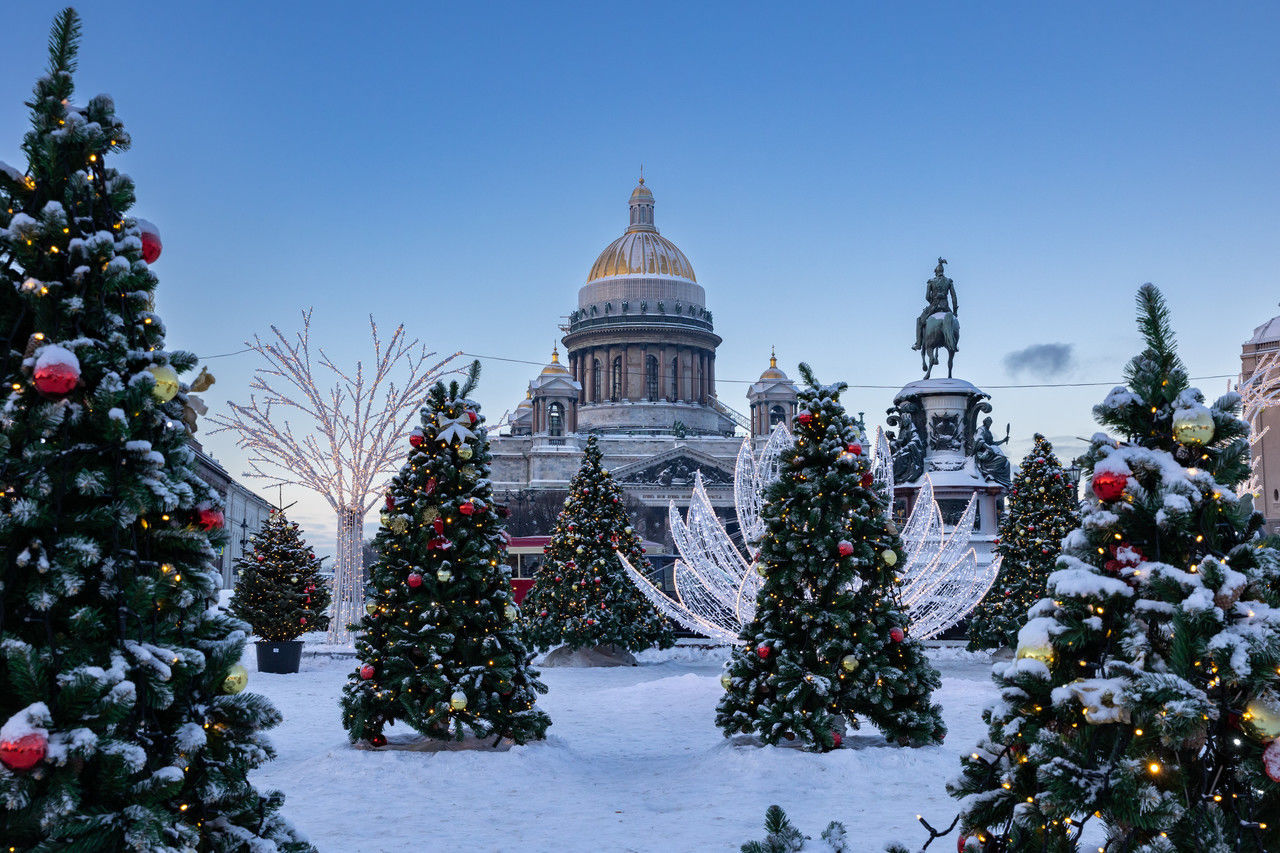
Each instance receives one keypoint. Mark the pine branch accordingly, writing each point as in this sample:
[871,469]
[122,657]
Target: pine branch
[1155,326]
[64,42]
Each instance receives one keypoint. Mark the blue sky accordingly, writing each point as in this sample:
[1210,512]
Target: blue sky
[457,168]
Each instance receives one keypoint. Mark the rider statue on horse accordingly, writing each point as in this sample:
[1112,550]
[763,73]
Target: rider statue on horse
[937,326]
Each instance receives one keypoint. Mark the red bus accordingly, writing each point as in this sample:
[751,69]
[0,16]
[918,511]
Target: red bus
[524,556]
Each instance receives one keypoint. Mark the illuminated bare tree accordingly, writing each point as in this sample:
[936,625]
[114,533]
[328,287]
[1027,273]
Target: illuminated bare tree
[1259,391]
[354,437]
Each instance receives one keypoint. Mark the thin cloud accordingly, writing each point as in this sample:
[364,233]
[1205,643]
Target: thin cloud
[1040,361]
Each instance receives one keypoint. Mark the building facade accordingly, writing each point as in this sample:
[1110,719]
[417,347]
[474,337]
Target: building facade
[244,511]
[639,372]
[1266,450]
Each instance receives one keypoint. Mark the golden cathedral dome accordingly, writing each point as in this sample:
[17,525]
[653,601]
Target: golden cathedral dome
[526,403]
[642,251]
[555,368]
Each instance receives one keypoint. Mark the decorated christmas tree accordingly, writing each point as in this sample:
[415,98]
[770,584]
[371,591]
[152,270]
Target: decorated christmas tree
[582,598]
[279,591]
[1042,510]
[1145,695]
[829,639]
[122,721]
[440,646]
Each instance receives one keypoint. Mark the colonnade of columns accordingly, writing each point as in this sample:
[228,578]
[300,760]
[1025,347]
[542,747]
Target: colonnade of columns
[684,373]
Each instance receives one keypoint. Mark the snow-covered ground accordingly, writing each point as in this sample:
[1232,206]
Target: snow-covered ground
[633,762]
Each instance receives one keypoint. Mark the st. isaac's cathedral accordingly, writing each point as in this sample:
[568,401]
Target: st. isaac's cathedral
[639,371]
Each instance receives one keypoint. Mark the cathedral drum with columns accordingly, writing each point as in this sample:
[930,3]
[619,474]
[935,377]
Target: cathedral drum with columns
[639,372]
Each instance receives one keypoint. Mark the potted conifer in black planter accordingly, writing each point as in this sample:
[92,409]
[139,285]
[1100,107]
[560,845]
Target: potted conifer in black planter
[280,593]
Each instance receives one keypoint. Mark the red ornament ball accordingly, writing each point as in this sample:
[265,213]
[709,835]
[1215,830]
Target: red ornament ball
[303,620]
[25,752]
[378,740]
[1271,760]
[211,519]
[416,438]
[846,548]
[868,480]
[57,371]
[366,671]
[591,621]
[151,245]
[804,418]
[472,417]
[414,580]
[856,450]
[467,508]
[896,634]
[1109,485]
[763,652]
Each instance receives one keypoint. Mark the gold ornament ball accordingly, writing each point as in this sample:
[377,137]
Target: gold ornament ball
[890,557]
[849,663]
[1040,653]
[725,681]
[510,612]
[470,473]
[370,608]
[458,701]
[444,576]
[1193,426]
[1262,716]
[465,452]
[166,383]
[237,679]
[760,569]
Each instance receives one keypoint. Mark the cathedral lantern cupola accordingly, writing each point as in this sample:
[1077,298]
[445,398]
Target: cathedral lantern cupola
[554,399]
[772,399]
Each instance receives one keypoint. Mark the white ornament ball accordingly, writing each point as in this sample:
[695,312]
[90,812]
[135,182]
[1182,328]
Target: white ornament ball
[458,701]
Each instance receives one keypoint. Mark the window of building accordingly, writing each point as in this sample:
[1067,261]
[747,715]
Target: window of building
[595,380]
[675,379]
[555,419]
[651,378]
[776,416]
[615,393]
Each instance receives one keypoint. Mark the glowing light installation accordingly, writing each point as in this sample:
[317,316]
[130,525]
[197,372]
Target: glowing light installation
[355,435]
[1259,391]
[716,586]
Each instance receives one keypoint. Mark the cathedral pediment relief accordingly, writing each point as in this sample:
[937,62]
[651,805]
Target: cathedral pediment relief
[675,468]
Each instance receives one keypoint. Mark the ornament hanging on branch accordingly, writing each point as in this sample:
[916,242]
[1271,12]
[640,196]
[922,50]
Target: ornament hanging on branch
[24,752]
[237,679]
[57,371]
[166,387]
[151,244]
[1193,423]
[1109,485]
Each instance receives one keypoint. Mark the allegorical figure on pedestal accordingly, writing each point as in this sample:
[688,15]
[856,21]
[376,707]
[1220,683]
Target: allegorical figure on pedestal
[937,327]
[988,456]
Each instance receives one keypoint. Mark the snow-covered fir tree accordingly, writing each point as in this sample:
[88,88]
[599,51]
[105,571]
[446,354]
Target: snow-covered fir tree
[1145,695]
[440,646]
[122,721]
[279,590]
[829,639]
[581,597]
[1042,510]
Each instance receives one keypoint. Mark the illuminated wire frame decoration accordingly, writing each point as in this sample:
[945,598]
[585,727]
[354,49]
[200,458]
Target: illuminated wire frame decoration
[716,586]
[355,436]
[1259,391]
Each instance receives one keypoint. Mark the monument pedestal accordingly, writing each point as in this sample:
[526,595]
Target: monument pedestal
[938,436]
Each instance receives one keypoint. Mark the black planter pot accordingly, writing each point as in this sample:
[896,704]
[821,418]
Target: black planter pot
[275,656]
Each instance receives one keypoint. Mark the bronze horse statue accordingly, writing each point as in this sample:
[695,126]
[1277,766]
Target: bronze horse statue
[941,331]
